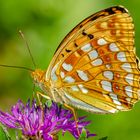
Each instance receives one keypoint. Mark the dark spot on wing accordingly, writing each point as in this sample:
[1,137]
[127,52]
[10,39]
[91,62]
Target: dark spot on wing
[110,11]
[81,26]
[137,61]
[75,45]
[62,55]
[90,36]
[94,18]
[83,33]
[122,9]
[68,50]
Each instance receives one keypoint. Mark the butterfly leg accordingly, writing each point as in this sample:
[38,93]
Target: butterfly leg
[39,94]
[74,114]
[39,99]
[43,95]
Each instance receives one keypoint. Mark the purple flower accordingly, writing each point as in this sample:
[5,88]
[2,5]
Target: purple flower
[42,122]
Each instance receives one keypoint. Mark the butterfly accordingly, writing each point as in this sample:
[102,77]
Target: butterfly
[95,67]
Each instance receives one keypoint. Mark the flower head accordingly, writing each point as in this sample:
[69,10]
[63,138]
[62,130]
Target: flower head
[42,123]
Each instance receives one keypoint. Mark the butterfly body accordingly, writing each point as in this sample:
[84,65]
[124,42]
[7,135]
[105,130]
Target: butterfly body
[95,68]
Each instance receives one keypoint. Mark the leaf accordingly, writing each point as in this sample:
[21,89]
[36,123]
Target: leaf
[4,135]
[49,103]
[83,135]
[104,138]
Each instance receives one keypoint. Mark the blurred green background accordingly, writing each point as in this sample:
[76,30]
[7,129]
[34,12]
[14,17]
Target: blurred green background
[45,23]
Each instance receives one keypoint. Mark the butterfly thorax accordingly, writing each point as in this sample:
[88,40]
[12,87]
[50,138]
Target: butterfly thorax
[39,77]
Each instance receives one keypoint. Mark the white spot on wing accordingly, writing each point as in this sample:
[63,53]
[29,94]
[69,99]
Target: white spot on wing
[93,54]
[119,107]
[53,73]
[104,25]
[69,79]
[121,56]
[83,89]
[97,62]
[129,78]
[128,100]
[101,41]
[127,67]
[106,85]
[113,110]
[108,74]
[67,67]
[115,98]
[86,48]
[74,88]
[128,90]
[82,75]
[113,47]
[62,74]
[108,66]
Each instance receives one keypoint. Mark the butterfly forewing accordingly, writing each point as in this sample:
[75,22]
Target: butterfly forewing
[95,66]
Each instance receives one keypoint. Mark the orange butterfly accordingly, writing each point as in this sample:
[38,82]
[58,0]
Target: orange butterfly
[95,67]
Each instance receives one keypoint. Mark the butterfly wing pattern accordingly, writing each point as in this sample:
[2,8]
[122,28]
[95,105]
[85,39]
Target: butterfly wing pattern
[95,68]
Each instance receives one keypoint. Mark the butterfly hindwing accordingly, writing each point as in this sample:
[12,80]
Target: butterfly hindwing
[95,66]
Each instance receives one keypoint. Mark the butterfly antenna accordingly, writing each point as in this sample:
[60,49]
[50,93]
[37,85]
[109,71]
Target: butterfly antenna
[27,45]
[17,67]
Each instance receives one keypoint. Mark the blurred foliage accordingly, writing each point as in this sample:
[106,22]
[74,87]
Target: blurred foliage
[45,23]
[104,138]
[4,135]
